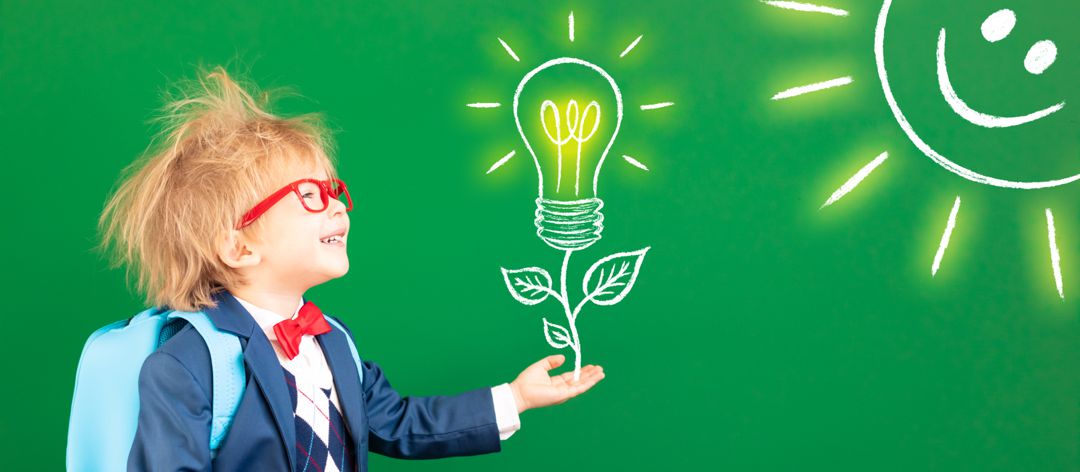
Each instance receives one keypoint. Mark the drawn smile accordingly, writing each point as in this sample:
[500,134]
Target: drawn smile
[983,119]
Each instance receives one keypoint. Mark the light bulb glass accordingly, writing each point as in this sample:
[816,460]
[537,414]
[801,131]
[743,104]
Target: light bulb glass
[568,112]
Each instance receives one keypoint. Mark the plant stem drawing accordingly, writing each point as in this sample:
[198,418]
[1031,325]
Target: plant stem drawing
[533,285]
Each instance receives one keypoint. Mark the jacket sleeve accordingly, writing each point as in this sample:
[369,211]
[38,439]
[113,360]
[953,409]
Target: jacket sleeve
[427,427]
[174,418]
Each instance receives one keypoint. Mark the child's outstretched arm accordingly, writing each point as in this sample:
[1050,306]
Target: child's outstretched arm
[427,427]
[464,424]
[534,388]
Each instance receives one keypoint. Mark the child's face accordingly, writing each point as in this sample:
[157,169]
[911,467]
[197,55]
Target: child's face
[294,254]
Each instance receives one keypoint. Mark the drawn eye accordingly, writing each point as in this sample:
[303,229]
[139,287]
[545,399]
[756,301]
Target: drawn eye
[998,25]
[1040,57]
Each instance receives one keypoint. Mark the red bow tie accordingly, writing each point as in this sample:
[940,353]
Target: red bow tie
[309,321]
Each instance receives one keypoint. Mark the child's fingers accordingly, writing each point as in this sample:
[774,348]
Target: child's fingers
[566,377]
[550,362]
[591,371]
[585,383]
[592,375]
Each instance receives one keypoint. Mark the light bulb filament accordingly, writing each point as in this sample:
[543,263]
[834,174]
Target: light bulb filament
[577,122]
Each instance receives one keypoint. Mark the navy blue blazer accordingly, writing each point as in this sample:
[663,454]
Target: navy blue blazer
[174,407]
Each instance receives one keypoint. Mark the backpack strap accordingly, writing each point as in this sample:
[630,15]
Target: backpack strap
[227,361]
[352,347]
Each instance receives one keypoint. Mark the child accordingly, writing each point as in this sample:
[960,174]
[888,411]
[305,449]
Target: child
[238,213]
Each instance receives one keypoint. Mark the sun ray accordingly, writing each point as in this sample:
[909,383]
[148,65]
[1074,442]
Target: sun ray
[571,26]
[500,162]
[855,180]
[816,87]
[484,105]
[945,237]
[631,46]
[655,106]
[635,163]
[1055,257]
[808,7]
[508,50]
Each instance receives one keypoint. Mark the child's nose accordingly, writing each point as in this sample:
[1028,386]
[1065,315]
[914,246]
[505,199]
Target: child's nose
[335,207]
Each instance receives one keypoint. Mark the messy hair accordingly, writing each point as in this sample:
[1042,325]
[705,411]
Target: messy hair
[218,153]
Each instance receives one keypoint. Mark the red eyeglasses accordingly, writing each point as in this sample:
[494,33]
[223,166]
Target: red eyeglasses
[305,190]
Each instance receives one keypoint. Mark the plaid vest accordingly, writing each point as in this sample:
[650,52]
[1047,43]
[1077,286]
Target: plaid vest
[323,442]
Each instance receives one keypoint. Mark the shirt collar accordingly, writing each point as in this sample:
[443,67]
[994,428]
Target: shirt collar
[266,318]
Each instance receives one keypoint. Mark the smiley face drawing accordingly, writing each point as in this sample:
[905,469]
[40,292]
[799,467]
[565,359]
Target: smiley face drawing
[994,28]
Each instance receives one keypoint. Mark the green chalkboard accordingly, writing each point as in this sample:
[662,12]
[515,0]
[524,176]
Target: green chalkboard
[764,330]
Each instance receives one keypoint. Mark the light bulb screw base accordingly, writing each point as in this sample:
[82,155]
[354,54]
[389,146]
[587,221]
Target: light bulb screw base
[569,225]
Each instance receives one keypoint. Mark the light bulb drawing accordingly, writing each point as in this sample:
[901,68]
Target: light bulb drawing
[568,112]
[996,26]
[568,217]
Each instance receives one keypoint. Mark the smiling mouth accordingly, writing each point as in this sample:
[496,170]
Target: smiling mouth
[972,115]
[336,240]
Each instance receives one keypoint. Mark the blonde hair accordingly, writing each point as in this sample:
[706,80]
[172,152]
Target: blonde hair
[219,153]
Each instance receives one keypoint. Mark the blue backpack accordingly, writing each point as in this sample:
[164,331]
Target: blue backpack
[105,405]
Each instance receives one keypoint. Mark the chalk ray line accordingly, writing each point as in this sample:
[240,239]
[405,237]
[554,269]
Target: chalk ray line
[635,163]
[571,25]
[815,87]
[655,106]
[500,162]
[1055,256]
[808,8]
[631,47]
[854,181]
[945,237]
[509,50]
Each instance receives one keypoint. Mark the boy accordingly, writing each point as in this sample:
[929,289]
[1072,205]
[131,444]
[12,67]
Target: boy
[238,213]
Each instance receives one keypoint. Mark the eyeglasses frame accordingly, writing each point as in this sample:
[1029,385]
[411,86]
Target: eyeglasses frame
[326,191]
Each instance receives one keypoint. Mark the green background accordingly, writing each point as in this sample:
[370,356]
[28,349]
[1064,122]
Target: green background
[763,333]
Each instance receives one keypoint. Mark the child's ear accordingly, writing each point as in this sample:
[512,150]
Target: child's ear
[236,253]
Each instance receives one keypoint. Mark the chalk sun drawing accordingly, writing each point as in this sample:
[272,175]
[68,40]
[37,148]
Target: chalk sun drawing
[996,27]
[568,216]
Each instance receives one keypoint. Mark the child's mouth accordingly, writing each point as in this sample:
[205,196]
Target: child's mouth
[333,241]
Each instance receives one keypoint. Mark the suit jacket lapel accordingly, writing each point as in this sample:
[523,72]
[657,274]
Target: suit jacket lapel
[260,359]
[347,381]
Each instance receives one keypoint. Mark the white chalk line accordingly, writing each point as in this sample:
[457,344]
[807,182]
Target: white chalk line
[635,163]
[656,106]
[855,180]
[484,105]
[1055,257]
[808,7]
[508,50]
[631,46]
[945,237]
[816,87]
[500,162]
[571,26]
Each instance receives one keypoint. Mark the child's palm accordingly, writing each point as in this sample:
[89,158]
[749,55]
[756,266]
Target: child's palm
[534,388]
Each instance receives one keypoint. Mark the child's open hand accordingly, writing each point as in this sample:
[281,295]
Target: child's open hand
[533,388]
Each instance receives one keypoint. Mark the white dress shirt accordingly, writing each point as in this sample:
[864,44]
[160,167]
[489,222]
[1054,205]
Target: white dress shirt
[310,368]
